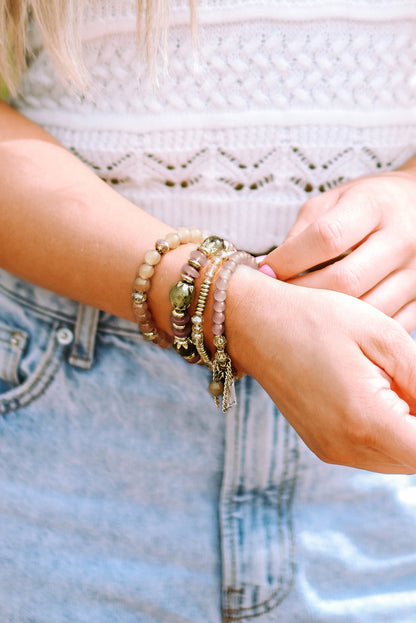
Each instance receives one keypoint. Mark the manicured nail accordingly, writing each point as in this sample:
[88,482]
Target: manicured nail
[268,270]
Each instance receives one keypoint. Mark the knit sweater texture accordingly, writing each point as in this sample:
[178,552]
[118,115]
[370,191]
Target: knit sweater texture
[282,100]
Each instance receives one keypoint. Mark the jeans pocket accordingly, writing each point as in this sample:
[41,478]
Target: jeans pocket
[12,346]
[30,357]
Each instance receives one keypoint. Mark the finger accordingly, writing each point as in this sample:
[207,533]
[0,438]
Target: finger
[389,429]
[399,439]
[393,293]
[312,210]
[349,222]
[406,316]
[359,271]
[388,346]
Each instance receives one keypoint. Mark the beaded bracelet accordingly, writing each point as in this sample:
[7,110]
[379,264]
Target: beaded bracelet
[197,319]
[223,376]
[141,285]
[182,295]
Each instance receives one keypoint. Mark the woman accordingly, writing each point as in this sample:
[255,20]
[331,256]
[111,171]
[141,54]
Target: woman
[113,461]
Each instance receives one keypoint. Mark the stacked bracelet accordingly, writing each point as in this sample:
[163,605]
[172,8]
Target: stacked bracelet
[198,316]
[182,295]
[141,285]
[223,376]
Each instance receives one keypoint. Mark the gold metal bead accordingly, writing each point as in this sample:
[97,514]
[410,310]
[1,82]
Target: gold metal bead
[162,246]
[139,297]
[194,263]
[187,279]
[149,336]
[216,388]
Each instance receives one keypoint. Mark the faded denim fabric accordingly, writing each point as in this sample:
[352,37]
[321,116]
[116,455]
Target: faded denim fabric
[125,495]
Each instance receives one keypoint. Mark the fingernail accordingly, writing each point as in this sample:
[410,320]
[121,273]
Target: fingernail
[268,270]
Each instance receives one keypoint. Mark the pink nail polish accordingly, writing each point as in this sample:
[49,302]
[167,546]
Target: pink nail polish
[268,270]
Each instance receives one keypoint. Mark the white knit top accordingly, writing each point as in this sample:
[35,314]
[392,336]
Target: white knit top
[288,99]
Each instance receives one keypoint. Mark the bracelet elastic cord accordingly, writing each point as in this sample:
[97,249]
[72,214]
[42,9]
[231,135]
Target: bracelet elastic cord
[141,285]
[223,375]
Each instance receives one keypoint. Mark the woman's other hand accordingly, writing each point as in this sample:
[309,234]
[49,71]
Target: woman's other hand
[368,224]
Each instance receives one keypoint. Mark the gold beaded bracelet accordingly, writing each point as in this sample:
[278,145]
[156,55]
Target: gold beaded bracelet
[182,295]
[141,285]
[197,319]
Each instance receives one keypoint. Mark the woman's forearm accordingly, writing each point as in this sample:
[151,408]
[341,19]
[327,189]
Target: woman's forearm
[63,228]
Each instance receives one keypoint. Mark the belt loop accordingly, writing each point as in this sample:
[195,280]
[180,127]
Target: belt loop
[82,351]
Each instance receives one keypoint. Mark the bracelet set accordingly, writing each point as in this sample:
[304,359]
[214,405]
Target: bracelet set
[214,255]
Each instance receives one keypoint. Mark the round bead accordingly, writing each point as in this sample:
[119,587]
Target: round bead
[146,271]
[162,246]
[212,245]
[152,257]
[181,295]
[226,272]
[222,284]
[173,240]
[220,295]
[216,388]
[217,329]
[184,234]
[219,306]
[231,264]
[141,285]
[196,235]
[218,317]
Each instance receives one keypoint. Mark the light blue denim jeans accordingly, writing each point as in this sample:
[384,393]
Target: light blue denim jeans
[126,497]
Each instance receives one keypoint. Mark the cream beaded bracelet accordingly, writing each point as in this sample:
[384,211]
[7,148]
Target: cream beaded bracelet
[141,285]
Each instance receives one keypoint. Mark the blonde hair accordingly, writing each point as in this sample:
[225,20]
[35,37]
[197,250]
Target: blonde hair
[59,23]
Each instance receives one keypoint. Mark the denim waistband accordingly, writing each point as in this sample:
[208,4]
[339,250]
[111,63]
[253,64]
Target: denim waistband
[83,321]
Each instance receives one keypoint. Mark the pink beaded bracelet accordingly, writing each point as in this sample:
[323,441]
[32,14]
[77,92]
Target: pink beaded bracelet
[141,285]
[223,375]
[198,316]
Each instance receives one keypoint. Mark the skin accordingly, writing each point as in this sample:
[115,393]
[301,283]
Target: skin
[371,223]
[341,371]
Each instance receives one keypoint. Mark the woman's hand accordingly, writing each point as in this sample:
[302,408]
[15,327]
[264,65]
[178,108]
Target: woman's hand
[342,373]
[370,225]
